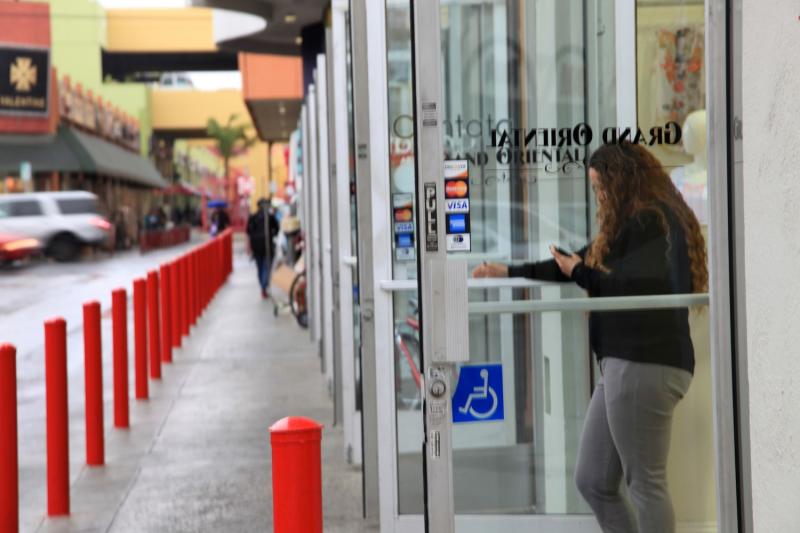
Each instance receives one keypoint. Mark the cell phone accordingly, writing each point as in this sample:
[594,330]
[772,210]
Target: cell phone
[562,251]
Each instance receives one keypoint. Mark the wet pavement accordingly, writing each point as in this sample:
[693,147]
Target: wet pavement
[197,455]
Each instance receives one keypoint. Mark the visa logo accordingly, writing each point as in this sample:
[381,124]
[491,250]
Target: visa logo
[404,227]
[457,206]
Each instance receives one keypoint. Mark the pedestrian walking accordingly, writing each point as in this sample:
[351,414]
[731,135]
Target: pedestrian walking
[262,228]
[649,242]
[219,221]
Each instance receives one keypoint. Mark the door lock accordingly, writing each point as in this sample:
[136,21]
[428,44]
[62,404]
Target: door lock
[438,388]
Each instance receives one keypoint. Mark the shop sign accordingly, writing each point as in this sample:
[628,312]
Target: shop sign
[85,111]
[531,149]
[24,80]
[431,218]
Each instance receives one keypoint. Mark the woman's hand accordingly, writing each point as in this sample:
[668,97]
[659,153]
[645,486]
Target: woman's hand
[566,263]
[490,270]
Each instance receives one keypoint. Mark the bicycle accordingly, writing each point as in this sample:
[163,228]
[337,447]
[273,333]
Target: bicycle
[297,298]
[408,378]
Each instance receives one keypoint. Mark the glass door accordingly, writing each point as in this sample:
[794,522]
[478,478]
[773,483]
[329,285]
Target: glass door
[529,90]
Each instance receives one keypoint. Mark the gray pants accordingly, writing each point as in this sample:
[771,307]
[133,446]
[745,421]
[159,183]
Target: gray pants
[627,432]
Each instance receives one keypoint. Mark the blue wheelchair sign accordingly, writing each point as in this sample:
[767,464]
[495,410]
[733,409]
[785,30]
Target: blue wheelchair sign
[479,394]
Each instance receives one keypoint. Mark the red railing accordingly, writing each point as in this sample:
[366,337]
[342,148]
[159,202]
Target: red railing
[154,239]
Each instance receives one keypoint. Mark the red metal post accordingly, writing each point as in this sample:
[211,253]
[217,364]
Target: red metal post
[192,293]
[153,330]
[224,257]
[9,452]
[296,475]
[140,337]
[224,248]
[178,309]
[218,259]
[189,293]
[212,269]
[166,314]
[57,407]
[93,384]
[184,275]
[119,318]
[230,253]
[198,296]
[174,305]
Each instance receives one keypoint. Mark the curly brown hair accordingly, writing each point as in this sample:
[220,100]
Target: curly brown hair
[633,180]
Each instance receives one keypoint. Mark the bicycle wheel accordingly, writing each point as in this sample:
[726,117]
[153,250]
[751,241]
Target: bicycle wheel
[297,300]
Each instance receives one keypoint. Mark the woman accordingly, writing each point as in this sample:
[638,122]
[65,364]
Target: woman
[649,242]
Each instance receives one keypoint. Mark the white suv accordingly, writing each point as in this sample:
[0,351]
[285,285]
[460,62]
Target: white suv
[63,222]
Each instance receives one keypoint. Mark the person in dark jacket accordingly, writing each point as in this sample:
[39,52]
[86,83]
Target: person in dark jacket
[649,242]
[219,221]
[262,228]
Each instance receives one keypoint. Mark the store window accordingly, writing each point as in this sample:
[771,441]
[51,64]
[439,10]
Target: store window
[671,83]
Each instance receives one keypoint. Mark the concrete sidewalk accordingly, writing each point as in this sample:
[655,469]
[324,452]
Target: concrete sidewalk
[197,455]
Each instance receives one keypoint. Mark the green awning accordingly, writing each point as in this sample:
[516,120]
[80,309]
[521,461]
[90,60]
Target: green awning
[45,153]
[71,150]
[102,157]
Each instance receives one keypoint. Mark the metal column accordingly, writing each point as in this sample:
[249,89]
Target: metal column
[361,117]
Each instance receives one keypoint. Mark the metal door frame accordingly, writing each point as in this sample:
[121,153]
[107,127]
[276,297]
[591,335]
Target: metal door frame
[342,246]
[313,234]
[324,217]
[370,112]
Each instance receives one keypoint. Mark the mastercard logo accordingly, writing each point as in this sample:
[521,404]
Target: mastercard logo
[403,215]
[456,189]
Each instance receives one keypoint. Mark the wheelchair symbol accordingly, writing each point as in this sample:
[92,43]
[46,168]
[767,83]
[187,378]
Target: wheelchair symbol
[481,392]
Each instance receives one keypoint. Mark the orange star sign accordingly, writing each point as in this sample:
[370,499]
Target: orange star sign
[23,74]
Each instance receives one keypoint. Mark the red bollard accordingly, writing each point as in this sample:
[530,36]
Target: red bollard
[229,251]
[191,293]
[198,289]
[183,273]
[174,305]
[153,332]
[166,313]
[210,277]
[218,260]
[93,384]
[296,475]
[9,458]
[119,312]
[140,337]
[57,407]
[198,296]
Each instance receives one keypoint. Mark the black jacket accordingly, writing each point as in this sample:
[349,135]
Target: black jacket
[256,232]
[642,261]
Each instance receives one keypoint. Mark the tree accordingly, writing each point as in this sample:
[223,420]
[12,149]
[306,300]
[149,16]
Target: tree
[231,139]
